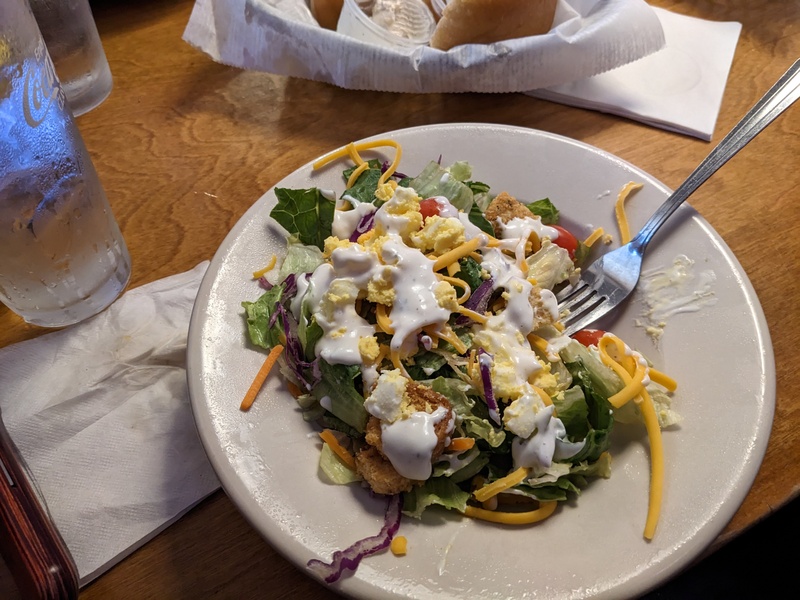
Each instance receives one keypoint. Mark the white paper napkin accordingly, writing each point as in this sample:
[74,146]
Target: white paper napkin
[100,412]
[679,88]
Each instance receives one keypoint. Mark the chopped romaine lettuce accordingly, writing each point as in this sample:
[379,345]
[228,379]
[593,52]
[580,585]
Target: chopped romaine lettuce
[337,393]
[300,258]
[436,490]
[262,329]
[550,265]
[545,210]
[436,181]
[334,468]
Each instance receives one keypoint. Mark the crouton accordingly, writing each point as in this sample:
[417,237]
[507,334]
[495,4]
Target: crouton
[421,398]
[372,464]
[504,208]
[541,314]
[379,473]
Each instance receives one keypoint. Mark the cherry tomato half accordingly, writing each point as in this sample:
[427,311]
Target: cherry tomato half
[566,240]
[588,337]
[429,208]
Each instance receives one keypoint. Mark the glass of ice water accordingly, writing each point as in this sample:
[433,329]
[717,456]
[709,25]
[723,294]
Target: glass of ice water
[62,257]
[74,45]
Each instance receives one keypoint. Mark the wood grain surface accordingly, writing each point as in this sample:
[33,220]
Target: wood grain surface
[184,146]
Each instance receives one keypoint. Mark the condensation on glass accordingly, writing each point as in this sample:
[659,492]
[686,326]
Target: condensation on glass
[62,256]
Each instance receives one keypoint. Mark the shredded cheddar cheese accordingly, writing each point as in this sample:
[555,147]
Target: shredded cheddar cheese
[271,265]
[477,317]
[399,545]
[538,342]
[460,283]
[634,389]
[513,518]
[501,485]
[543,395]
[460,444]
[656,465]
[352,150]
[356,174]
[593,237]
[456,253]
[382,319]
[449,336]
[665,380]
[619,209]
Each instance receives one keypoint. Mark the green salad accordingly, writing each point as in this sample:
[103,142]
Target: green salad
[418,328]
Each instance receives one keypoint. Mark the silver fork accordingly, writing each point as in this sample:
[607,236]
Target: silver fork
[612,277]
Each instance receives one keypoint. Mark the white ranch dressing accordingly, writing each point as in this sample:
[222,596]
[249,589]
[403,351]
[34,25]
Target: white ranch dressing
[345,221]
[447,210]
[415,304]
[296,303]
[409,443]
[343,327]
[520,228]
[548,442]
[503,335]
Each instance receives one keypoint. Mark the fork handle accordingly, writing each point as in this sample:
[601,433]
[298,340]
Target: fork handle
[780,96]
[29,542]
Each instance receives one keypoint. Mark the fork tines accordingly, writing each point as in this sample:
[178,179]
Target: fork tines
[576,305]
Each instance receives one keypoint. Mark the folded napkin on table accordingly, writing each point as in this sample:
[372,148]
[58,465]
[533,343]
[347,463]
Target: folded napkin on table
[679,88]
[100,412]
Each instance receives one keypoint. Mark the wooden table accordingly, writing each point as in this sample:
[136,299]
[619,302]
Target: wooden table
[184,146]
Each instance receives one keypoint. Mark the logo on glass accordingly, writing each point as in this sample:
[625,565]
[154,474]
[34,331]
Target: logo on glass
[41,88]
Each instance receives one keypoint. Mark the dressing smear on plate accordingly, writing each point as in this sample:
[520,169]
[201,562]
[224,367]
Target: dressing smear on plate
[671,290]
[414,319]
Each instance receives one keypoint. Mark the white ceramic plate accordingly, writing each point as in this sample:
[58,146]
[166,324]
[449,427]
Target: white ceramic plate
[721,356]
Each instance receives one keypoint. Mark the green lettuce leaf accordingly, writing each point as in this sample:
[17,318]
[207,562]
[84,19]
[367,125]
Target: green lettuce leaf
[473,424]
[462,467]
[300,258]
[345,401]
[574,413]
[600,416]
[305,213]
[258,314]
[436,490]
[436,181]
[366,185]
[425,365]
[476,218]
[334,468]
[545,210]
[470,272]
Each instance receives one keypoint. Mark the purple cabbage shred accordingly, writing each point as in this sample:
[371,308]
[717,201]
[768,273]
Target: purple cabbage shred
[350,558]
[365,223]
[486,378]
[294,355]
[290,288]
[477,302]
[262,281]
[397,174]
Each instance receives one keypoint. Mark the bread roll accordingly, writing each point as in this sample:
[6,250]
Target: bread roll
[327,12]
[487,21]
